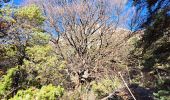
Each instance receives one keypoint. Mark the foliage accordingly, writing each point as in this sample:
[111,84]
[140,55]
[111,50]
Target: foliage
[155,41]
[48,92]
[39,38]
[43,60]
[18,27]
[14,79]
[162,95]
[152,50]
[84,92]
[8,51]
[105,86]
[32,13]
[6,83]
[27,43]
[45,63]
[88,45]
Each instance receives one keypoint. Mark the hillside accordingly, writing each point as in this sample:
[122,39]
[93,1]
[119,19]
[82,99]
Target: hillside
[85,50]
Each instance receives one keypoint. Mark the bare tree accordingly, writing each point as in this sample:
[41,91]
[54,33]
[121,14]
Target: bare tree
[87,31]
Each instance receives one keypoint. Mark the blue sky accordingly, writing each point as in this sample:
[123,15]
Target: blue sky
[17,2]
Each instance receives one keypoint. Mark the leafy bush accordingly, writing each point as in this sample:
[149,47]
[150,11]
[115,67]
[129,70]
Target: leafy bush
[6,82]
[31,13]
[39,38]
[44,65]
[105,86]
[49,92]
[12,80]
[7,51]
[162,95]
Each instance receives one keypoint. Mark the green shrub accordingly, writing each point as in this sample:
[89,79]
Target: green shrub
[49,92]
[32,13]
[12,81]
[7,51]
[162,95]
[105,86]
[6,81]
[44,65]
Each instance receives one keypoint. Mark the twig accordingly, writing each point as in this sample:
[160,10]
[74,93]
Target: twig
[12,91]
